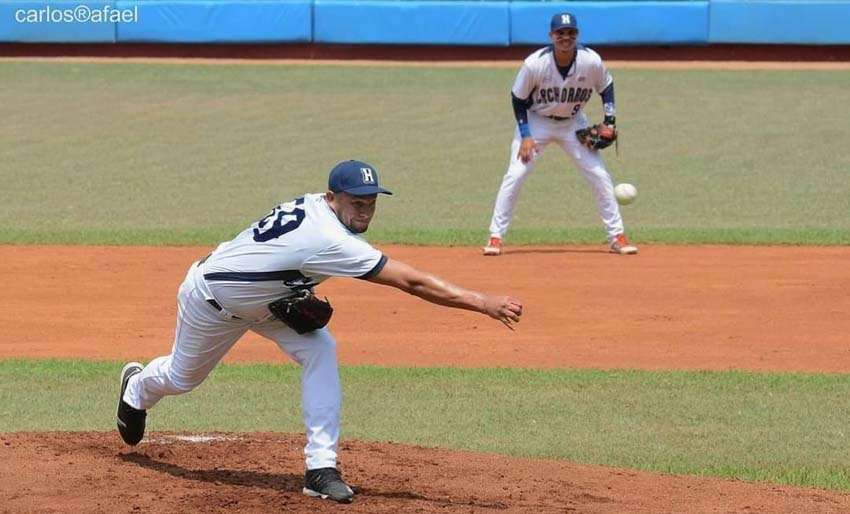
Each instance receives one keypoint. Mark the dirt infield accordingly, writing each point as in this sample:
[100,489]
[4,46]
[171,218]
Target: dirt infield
[261,473]
[713,307]
[672,307]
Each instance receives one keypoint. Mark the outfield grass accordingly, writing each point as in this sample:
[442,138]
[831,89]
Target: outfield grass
[776,427]
[165,154]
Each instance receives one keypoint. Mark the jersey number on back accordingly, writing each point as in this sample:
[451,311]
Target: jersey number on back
[283,218]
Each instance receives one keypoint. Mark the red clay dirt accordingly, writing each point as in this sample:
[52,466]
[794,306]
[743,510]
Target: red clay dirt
[671,307]
[709,307]
[261,473]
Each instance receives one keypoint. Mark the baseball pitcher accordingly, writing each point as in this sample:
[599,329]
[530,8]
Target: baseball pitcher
[263,281]
[551,89]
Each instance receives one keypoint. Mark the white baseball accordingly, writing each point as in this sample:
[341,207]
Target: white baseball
[625,193]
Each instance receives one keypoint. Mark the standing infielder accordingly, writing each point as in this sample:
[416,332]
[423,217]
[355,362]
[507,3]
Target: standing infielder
[262,280]
[548,95]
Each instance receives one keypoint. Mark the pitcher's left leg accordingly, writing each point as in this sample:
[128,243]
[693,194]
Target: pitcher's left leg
[320,387]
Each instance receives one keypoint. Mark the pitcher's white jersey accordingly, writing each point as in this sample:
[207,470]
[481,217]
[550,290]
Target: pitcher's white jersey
[552,94]
[296,246]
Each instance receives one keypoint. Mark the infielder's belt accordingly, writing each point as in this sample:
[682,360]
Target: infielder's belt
[559,118]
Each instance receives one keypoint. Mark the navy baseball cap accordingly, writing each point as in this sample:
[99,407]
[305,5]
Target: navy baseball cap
[564,20]
[356,178]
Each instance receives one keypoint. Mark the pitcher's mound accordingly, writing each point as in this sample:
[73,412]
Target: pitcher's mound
[93,472]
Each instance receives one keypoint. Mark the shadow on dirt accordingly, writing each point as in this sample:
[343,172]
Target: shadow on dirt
[284,482]
[289,482]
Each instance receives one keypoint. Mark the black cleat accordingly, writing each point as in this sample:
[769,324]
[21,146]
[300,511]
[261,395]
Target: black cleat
[131,422]
[325,483]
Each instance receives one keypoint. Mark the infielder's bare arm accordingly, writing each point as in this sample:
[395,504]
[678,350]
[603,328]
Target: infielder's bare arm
[441,292]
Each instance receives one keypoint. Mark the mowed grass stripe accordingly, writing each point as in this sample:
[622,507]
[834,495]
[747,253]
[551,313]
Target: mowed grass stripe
[776,427]
[131,153]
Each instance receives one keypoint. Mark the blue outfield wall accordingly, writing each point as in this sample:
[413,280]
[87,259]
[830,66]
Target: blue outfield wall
[615,23]
[780,22]
[418,23]
[192,21]
[425,22]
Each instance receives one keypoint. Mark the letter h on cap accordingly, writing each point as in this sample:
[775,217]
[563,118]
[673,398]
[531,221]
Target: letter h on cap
[563,21]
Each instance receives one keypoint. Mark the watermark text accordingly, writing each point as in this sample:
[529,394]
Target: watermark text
[78,14]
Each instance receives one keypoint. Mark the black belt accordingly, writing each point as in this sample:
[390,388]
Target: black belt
[217,307]
[559,118]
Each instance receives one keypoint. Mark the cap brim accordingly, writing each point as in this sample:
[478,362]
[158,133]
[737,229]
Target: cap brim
[366,191]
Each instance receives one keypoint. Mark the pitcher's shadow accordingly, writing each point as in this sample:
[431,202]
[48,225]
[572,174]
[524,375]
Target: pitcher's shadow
[285,482]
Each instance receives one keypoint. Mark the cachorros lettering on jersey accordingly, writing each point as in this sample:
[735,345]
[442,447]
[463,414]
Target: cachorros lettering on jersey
[563,95]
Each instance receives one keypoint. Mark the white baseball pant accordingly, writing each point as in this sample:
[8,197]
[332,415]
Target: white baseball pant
[589,162]
[204,335]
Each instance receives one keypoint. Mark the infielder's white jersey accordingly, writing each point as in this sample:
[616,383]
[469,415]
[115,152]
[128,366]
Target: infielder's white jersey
[551,93]
[298,245]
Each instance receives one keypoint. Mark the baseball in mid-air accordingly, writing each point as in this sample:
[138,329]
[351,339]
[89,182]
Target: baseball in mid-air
[625,193]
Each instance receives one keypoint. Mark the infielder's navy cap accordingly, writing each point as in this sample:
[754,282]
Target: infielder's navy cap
[564,20]
[356,178]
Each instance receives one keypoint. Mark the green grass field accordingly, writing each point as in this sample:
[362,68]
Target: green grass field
[174,154]
[189,154]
